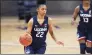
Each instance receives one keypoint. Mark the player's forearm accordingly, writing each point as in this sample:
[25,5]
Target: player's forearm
[75,16]
[29,32]
[74,19]
[53,36]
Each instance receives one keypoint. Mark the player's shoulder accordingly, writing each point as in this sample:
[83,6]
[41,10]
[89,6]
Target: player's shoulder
[49,19]
[32,19]
[77,7]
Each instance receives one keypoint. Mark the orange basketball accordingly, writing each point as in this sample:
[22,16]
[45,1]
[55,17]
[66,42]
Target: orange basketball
[25,39]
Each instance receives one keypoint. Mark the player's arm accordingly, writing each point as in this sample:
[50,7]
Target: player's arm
[51,31]
[75,14]
[29,26]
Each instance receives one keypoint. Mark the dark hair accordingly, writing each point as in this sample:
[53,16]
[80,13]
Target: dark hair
[84,0]
[40,5]
[41,1]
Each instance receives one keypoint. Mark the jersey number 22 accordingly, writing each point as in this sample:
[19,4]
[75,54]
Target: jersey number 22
[39,34]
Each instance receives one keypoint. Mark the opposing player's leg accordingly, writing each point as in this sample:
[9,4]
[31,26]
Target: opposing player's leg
[89,43]
[82,42]
[28,50]
[41,50]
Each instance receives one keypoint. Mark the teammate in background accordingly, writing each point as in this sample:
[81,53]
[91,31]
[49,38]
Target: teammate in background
[38,26]
[84,29]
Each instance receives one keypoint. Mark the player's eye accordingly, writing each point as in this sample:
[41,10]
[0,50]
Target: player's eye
[43,9]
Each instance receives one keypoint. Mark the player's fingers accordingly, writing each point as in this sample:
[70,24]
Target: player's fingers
[62,43]
[73,23]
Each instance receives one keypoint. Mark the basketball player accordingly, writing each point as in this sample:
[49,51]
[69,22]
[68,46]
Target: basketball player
[38,26]
[84,29]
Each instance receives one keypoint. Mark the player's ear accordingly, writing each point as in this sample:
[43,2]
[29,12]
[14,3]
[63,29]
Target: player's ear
[37,9]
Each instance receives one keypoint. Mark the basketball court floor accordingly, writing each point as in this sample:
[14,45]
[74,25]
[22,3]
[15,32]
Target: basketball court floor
[67,33]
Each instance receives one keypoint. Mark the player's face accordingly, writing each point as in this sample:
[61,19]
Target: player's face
[86,1]
[42,10]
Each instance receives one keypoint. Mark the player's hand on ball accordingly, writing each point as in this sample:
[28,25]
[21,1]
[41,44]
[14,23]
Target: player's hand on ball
[26,34]
[60,43]
[25,39]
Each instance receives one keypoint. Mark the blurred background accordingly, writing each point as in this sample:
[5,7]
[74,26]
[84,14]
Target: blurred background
[12,8]
[15,15]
